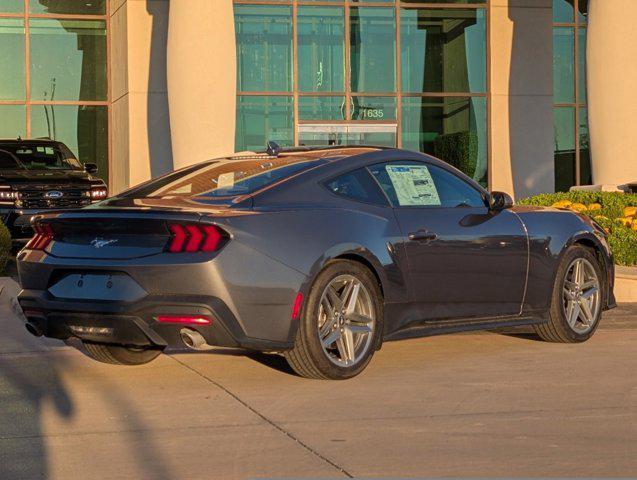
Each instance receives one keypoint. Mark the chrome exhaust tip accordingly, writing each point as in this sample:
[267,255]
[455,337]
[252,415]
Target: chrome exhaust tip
[33,330]
[193,339]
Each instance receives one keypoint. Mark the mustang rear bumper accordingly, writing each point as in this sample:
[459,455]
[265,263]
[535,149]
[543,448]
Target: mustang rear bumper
[135,324]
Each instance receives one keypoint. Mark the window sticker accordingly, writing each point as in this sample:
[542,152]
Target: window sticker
[413,185]
[226,180]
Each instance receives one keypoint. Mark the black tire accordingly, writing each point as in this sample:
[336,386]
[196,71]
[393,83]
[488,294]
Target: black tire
[308,358]
[557,328]
[120,355]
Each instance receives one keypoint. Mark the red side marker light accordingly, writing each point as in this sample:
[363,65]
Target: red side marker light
[185,319]
[296,309]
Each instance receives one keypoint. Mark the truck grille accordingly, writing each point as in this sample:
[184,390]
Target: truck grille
[41,198]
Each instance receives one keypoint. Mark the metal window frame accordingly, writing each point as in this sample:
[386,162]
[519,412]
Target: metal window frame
[577,105]
[398,94]
[28,102]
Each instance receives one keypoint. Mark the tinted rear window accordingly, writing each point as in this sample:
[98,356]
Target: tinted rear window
[357,185]
[224,178]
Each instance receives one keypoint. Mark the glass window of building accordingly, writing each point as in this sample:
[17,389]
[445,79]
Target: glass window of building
[57,87]
[572,154]
[406,74]
[443,50]
[264,48]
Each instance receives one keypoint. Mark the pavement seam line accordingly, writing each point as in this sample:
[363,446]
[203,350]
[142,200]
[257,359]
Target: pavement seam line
[266,419]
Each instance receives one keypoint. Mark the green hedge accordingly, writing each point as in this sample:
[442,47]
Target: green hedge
[459,150]
[5,247]
[622,238]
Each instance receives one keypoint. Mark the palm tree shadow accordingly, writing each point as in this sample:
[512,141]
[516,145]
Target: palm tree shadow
[29,380]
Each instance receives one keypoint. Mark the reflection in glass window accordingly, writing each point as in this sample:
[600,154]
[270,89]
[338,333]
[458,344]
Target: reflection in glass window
[321,108]
[373,108]
[11,6]
[261,119]
[68,59]
[582,11]
[94,7]
[321,49]
[564,118]
[453,129]
[444,1]
[563,65]
[14,121]
[563,11]
[373,49]
[443,50]
[12,80]
[264,48]
[581,54]
[586,177]
[84,129]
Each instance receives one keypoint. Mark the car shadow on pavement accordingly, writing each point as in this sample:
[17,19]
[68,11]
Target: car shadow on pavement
[271,360]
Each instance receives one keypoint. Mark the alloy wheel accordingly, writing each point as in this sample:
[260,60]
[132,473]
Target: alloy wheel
[346,320]
[581,296]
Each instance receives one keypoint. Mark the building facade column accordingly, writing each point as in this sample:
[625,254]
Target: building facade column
[521,95]
[140,129]
[201,71]
[611,77]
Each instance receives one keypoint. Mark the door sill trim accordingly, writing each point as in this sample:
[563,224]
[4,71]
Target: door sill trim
[440,327]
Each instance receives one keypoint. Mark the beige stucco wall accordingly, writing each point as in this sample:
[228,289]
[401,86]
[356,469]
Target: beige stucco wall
[521,122]
[141,141]
[201,79]
[612,76]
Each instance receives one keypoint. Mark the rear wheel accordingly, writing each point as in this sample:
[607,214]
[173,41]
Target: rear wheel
[576,306]
[120,355]
[341,324]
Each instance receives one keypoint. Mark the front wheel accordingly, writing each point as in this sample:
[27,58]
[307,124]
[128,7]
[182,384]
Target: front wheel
[341,324]
[576,306]
[120,355]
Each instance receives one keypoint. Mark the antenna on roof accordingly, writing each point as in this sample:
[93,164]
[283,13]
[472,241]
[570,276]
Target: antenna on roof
[19,138]
[273,149]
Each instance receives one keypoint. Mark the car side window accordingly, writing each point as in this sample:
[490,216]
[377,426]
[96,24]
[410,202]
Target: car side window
[357,185]
[454,191]
[418,184]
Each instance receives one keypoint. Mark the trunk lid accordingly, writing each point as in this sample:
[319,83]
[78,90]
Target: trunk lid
[115,235]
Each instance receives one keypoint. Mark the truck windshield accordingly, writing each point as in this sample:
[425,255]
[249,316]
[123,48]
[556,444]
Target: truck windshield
[37,157]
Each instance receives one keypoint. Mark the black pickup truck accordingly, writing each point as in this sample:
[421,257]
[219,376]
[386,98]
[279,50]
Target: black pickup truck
[42,175]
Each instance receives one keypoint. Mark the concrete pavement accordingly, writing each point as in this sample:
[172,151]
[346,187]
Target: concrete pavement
[484,404]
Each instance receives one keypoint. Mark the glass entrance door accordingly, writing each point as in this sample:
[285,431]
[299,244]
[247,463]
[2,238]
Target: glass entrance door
[321,134]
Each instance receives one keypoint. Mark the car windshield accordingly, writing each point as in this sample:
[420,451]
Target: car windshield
[37,157]
[224,178]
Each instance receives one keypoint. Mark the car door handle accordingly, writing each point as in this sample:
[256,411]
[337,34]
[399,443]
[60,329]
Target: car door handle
[422,236]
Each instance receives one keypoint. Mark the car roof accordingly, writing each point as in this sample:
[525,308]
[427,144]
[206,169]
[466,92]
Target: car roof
[303,154]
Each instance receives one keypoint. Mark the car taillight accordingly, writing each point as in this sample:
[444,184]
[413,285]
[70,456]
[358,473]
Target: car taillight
[191,238]
[43,236]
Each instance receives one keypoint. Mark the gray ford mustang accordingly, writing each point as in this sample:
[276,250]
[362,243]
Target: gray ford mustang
[318,254]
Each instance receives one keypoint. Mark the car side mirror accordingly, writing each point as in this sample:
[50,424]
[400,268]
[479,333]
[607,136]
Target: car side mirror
[500,201]
[90,168]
